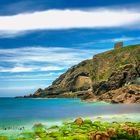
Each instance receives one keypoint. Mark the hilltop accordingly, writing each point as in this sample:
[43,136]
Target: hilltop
[112,76]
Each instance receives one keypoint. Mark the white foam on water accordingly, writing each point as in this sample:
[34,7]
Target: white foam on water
[134,117]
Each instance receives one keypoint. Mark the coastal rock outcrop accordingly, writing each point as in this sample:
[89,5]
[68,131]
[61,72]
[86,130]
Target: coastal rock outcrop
[125,75]
[125,94]
[111,76]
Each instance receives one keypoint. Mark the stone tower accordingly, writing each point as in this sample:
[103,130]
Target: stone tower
[118,45]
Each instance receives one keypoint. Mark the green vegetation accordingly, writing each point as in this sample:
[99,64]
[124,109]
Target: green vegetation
[82,130]
[105,63]
[102,65]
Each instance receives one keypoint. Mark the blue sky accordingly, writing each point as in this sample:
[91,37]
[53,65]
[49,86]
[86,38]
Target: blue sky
[39,40]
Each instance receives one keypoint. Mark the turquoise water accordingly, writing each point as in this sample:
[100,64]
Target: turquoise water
[15,113]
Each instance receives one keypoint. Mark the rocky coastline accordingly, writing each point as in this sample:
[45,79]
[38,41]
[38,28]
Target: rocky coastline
[112,76]
[81,129]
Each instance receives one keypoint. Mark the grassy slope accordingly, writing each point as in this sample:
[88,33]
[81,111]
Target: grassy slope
[105,63]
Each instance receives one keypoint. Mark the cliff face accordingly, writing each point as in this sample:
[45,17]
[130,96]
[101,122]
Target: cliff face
[106,71]
[77,78]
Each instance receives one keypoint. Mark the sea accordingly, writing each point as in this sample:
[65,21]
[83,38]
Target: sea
[23,113]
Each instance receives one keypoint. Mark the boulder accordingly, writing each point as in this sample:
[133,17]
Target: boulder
[112,132]
[79,121]
[99,136]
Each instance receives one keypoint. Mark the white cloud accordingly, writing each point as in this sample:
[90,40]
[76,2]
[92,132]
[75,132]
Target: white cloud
[33,75]
[21,87]
[47,76]
[110,40]
[64,19]
[16,69]
[30,69]
[51,68]
[30,79]
[17,88]
[125,39]
[11,34]
[30,59]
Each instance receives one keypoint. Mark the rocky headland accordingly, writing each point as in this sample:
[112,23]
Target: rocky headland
[112,76]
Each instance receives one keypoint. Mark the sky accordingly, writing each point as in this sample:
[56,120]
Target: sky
[41,39]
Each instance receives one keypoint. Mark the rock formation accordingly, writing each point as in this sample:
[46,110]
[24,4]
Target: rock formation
[112,76]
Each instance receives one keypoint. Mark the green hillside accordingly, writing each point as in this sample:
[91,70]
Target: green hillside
[91,73]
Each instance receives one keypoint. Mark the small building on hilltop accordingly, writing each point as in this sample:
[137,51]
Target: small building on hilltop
[118,45]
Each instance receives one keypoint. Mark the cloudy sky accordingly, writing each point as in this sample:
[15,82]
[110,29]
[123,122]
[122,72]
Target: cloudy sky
[41,39]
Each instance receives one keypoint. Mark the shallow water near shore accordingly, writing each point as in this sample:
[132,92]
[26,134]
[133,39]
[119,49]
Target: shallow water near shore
[22,114]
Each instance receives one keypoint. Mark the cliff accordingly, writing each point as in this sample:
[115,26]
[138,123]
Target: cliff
[92,78]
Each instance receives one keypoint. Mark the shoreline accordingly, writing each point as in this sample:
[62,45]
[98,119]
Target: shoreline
[86,127]
[81,100]
[107,118]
